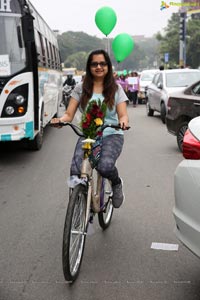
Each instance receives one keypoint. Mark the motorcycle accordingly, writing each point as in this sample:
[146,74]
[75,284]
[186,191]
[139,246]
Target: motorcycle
[67,90]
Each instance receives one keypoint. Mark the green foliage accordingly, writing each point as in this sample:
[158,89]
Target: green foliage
[148,53]
[169,41]
[76,60]
[193,43]
[71,42]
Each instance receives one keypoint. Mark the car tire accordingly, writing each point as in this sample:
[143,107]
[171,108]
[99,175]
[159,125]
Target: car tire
[180,134]
[149,110]
[162,112]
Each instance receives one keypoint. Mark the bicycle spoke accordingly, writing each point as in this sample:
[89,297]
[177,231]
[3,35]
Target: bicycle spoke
[77,233]
[74,233]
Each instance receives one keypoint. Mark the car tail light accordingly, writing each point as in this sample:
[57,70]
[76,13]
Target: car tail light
[191,146]
[169,103]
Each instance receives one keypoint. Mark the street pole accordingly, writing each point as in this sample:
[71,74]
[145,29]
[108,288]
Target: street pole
[182,39]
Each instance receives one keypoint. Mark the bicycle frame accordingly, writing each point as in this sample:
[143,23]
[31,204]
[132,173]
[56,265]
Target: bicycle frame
[93,194]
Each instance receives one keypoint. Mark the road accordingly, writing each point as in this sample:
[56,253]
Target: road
[119,263]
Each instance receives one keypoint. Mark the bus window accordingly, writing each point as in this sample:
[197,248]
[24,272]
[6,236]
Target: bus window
[47,52]
[54,56]
[51,55]
[57,58]
[43,58]
[10,46]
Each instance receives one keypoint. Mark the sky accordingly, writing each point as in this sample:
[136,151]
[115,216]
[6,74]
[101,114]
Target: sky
[134,17]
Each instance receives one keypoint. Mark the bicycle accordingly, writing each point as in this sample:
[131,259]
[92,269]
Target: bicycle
[89,197]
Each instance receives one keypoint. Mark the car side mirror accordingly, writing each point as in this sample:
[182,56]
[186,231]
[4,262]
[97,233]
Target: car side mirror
[159,85]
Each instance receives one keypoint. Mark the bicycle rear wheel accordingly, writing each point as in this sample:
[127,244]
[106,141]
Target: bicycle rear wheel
[105,215]
[74,233]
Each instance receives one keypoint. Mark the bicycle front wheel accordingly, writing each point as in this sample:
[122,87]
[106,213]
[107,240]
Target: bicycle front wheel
[105,215]
[74,233]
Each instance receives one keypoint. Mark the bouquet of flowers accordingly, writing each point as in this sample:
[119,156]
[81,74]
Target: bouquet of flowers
[92,118]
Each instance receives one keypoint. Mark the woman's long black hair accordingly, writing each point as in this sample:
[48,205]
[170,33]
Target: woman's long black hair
[109,85]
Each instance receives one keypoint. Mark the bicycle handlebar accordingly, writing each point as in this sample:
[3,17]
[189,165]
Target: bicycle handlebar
[75,128]
[78,131]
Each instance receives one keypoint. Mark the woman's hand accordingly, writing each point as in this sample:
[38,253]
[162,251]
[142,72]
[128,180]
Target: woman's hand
[55,122]
[124,125]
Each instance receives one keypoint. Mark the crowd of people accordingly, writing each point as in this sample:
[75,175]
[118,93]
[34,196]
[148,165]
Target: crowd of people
[130,85]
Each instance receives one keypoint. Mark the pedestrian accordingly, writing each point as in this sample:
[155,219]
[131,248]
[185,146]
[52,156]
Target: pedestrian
[122,81]
[100,84]
[133,87]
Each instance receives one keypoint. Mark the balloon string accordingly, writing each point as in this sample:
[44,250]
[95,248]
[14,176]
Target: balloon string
[107,45]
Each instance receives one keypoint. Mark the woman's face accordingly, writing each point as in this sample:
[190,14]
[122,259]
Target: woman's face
[98,66]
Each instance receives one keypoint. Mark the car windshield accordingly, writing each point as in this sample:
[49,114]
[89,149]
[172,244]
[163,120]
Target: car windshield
[181,79]
[147,76]
[12,50]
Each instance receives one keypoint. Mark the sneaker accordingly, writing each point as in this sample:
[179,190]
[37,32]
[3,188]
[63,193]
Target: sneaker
[118,195]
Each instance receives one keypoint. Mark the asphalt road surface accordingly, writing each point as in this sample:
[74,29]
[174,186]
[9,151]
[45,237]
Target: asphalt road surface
[119,263]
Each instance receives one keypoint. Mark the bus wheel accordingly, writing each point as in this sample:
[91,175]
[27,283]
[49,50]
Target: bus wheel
[36,143]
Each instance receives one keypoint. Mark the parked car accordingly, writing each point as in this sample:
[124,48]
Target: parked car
[181,108]
[146,77]
[165,83]
[186,210]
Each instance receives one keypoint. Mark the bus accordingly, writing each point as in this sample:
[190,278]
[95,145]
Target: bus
[30,74]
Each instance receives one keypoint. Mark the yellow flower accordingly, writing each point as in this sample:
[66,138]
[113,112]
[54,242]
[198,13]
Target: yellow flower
[98,121]
[86,146]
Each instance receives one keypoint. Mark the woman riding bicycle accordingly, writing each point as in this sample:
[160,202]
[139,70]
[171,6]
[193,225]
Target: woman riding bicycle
[99,83]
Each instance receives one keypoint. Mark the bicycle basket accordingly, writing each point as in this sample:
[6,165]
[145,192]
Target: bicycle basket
[95,152]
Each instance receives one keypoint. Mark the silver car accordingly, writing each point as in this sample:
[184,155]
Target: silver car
[146,77]
[186,209]
[164,84]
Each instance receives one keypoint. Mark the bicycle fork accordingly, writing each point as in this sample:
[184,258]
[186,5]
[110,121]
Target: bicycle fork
[88,207]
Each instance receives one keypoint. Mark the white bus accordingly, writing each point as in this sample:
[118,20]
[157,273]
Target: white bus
[30,73]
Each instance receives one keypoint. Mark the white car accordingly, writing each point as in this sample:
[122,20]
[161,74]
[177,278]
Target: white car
[187,190]
[146,77]
[164,84]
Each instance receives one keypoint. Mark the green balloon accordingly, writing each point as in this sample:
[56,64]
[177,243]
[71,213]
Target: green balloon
[105,19]
[125,72]
[122,46]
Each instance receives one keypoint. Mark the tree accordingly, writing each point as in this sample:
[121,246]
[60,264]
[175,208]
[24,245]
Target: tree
[71,42]
[169,41]
[193,42]
[76,60]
